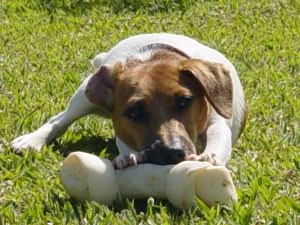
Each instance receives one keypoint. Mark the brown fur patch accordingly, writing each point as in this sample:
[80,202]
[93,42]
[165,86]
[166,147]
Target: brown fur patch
[142,98]
[215,81]
[155,83]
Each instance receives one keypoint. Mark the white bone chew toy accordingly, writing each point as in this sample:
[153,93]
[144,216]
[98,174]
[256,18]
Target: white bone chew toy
[88,177]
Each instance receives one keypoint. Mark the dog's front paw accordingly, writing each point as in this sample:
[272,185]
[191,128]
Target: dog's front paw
[31,141]
[205,157]
[123,161]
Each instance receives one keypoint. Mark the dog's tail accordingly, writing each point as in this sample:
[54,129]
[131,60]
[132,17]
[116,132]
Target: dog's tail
[98,60]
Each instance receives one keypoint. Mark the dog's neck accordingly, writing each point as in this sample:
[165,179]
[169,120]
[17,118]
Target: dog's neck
[147,52]
[159,46]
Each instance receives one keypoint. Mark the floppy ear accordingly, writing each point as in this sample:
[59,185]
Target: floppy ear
[100,88]
[215,81]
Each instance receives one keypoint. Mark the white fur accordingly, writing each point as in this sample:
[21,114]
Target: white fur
[221,134]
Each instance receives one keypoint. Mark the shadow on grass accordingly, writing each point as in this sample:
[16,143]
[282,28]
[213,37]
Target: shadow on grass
[117,6]
[91,144]
[135,206]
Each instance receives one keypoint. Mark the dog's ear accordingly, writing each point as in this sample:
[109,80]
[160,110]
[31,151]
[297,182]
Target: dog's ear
[215,81]
[100,87]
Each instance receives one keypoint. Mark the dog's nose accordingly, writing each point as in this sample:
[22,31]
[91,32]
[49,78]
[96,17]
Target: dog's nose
[163,155]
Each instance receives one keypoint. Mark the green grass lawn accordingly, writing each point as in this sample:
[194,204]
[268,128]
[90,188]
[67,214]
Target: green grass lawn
[45,48]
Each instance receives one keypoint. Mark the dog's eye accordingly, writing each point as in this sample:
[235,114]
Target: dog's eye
[183,102]
[135,113]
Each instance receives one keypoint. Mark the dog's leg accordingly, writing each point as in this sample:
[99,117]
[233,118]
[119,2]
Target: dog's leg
[79,106]
[218,142]
[219,145]
[127,156]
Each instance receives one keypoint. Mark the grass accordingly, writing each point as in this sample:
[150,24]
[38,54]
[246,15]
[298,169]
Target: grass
[44,54]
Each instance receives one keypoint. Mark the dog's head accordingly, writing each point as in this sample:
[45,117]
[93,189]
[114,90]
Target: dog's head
[163,101]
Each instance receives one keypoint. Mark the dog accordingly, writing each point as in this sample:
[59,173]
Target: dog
[170,99]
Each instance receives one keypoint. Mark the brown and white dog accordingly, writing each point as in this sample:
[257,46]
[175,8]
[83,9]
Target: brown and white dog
[170,99]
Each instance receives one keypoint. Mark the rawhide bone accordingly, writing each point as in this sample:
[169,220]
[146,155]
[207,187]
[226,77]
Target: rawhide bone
[88,177]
